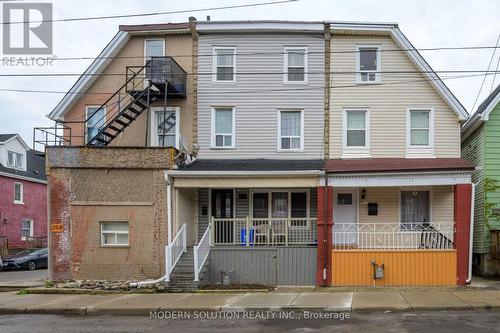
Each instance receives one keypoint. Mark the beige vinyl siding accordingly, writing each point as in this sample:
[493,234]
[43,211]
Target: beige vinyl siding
[258,97]
[473,150]
[387,199]
[387,102]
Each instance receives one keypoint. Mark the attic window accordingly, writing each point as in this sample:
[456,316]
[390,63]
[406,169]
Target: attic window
[368,64]
[15,160]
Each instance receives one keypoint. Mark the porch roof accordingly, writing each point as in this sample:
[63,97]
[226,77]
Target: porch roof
[375,165]
[253,165]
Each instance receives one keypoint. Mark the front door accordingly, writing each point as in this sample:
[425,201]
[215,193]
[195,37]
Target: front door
[222,213]
[345,209]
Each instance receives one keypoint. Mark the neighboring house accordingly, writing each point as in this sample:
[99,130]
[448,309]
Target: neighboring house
[299,160]
[480,144]
[23,195]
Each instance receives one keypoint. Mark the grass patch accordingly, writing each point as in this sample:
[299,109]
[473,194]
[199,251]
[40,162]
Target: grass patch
[234,286]
[22,292]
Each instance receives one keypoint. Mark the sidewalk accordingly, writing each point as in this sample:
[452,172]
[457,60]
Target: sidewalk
[142,304]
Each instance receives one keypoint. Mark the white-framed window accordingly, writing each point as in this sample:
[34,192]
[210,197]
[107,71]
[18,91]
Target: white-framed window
[224,66]
[154,47]
[165,127]
[95,121]
[368,64]
[114,233]
[14,160]
[356,133]
[275,204]
[295,64]
[420,132]
[26,228]
[290,130]
[223,127]
[18,193]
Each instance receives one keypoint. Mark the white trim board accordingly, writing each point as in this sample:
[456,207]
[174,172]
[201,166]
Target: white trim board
[401,179]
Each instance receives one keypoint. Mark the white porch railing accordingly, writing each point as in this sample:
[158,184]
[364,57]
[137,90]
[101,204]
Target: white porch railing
[393,236]
[200,253]
[263,231]
[174,250]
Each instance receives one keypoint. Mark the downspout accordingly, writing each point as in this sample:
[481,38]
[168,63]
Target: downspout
[169,237]
[472,199]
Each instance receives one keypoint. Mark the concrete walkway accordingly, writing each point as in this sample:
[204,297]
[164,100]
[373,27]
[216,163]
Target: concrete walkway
[18,279]
[142,304]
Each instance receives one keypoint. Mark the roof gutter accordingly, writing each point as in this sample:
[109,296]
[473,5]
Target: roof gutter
[222,173]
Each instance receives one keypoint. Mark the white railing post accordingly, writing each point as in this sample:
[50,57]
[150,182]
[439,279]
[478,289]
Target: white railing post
[212,234]
[247,231]
[167,263]
[196,269]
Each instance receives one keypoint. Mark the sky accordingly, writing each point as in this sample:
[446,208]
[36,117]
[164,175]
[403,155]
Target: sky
[427,24]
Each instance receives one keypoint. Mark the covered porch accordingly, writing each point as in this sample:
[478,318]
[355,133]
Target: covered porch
[400,225]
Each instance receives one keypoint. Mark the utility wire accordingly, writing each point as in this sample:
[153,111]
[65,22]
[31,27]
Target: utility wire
[252,73]
[256,90]
[471,48]
[93,18]
[495,76]
[484,79]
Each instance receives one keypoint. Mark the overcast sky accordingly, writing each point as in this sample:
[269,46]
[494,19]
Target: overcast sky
[427,23]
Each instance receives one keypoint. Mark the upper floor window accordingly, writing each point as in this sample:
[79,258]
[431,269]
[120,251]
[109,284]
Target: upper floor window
[295,64]
[154,48]
[14,160]
[18,193]
[223,124]
[368,60]
[225,64]
[420,132]
[356,132]
[290,130]
[165,127]
[96,118]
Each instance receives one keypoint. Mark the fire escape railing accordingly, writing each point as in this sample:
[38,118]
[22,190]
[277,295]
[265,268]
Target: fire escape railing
[159,77]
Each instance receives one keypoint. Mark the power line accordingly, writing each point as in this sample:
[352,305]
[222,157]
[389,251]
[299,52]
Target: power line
[485,47]
[484,79]
[254,73]
[93,18]
[256,90]
[495,76]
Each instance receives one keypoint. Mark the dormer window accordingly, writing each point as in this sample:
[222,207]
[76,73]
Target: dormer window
[15,160]
[368,70]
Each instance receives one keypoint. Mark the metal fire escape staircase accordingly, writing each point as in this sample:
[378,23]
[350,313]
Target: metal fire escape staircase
[159,79]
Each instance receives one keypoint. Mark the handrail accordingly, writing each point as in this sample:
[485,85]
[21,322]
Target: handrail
[201,252]
[174,251]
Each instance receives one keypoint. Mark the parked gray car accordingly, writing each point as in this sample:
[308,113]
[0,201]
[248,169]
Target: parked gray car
[27,259]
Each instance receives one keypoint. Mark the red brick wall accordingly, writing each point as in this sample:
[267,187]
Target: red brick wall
[11,214]
[462,206]
[325,223]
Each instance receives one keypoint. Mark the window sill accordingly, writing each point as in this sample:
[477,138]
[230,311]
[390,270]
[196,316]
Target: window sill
[369,82]
[348,154]
[19,202]
[421,152]
[115,246]
[290,150]
[296,82]
[222,148]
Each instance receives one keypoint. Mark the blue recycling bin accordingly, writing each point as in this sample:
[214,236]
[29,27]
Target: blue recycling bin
[243,238]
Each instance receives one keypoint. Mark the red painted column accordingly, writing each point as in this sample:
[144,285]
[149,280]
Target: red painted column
[461,212]
[324,230]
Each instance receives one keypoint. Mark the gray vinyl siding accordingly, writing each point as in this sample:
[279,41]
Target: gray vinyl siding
[256,114]
[473,150]
[202,219]
[286,266]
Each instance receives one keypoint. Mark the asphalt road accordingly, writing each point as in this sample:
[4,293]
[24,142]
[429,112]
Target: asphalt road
[427,322]
[22,277]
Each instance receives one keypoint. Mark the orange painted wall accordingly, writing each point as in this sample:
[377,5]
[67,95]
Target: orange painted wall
[401,268]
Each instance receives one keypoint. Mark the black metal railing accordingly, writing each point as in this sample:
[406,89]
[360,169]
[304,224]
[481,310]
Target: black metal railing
[57,135]
[431,238]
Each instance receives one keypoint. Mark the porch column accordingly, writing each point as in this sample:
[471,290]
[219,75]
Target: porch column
[461,212]
[324,229]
